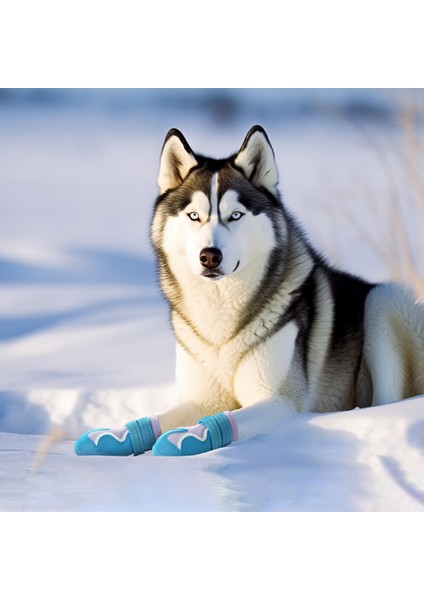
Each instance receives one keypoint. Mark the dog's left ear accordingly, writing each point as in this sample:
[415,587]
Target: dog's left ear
[176,160]
[256,159]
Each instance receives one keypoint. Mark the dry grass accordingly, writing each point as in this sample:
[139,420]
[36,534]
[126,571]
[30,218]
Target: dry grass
[402,162]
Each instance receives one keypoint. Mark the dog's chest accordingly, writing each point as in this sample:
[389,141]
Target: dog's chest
[245,368]
[213,366]
[219,349]
[215,316]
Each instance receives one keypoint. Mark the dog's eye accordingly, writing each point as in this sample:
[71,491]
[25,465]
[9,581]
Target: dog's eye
[235,215]
[194,216]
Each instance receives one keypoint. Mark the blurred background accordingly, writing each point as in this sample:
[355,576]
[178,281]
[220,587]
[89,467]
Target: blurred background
[80,310]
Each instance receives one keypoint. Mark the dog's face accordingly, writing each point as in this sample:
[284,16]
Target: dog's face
[213,216]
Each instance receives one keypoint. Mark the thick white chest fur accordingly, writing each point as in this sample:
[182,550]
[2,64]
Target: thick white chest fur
[240,371]
[220,366]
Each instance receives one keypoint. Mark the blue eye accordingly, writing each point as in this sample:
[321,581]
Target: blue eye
[236,215]
[194,216]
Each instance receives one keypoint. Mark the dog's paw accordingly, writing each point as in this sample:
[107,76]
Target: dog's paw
[104,442]
[210,433]
[135,438]
[184,441]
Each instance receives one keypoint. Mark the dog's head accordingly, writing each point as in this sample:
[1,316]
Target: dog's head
[217,218]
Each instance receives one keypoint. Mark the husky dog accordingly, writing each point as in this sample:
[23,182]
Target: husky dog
[264,327]
[262,323]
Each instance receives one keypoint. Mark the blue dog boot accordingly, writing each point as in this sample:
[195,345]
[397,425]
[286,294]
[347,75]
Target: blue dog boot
[210,433]
[143,433]
[135,438]
[104,442]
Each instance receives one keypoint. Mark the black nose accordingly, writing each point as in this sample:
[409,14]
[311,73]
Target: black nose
[210,257]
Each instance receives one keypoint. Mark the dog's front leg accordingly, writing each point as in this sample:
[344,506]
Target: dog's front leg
[140,435]
[263,417]
[257,382]
[183,415]
[187,430]
[219,430]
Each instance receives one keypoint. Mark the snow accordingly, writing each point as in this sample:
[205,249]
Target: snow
[363,460]
[84,333]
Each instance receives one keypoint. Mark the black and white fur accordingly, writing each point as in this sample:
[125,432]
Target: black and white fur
[263,325]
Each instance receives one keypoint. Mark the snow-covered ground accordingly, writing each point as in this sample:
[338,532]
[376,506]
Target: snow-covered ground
[84,333]
[364,460]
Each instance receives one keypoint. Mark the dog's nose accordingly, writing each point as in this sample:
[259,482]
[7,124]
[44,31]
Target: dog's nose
[210,258]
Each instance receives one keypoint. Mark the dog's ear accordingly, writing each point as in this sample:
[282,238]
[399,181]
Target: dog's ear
[256,160]
[176,160]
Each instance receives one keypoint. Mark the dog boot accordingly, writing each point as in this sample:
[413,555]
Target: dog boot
[210,433]
[135,438]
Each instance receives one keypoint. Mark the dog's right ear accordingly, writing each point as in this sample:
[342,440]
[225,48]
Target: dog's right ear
[256,160]
[176,160]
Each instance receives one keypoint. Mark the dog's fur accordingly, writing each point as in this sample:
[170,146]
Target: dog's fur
[262,323]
